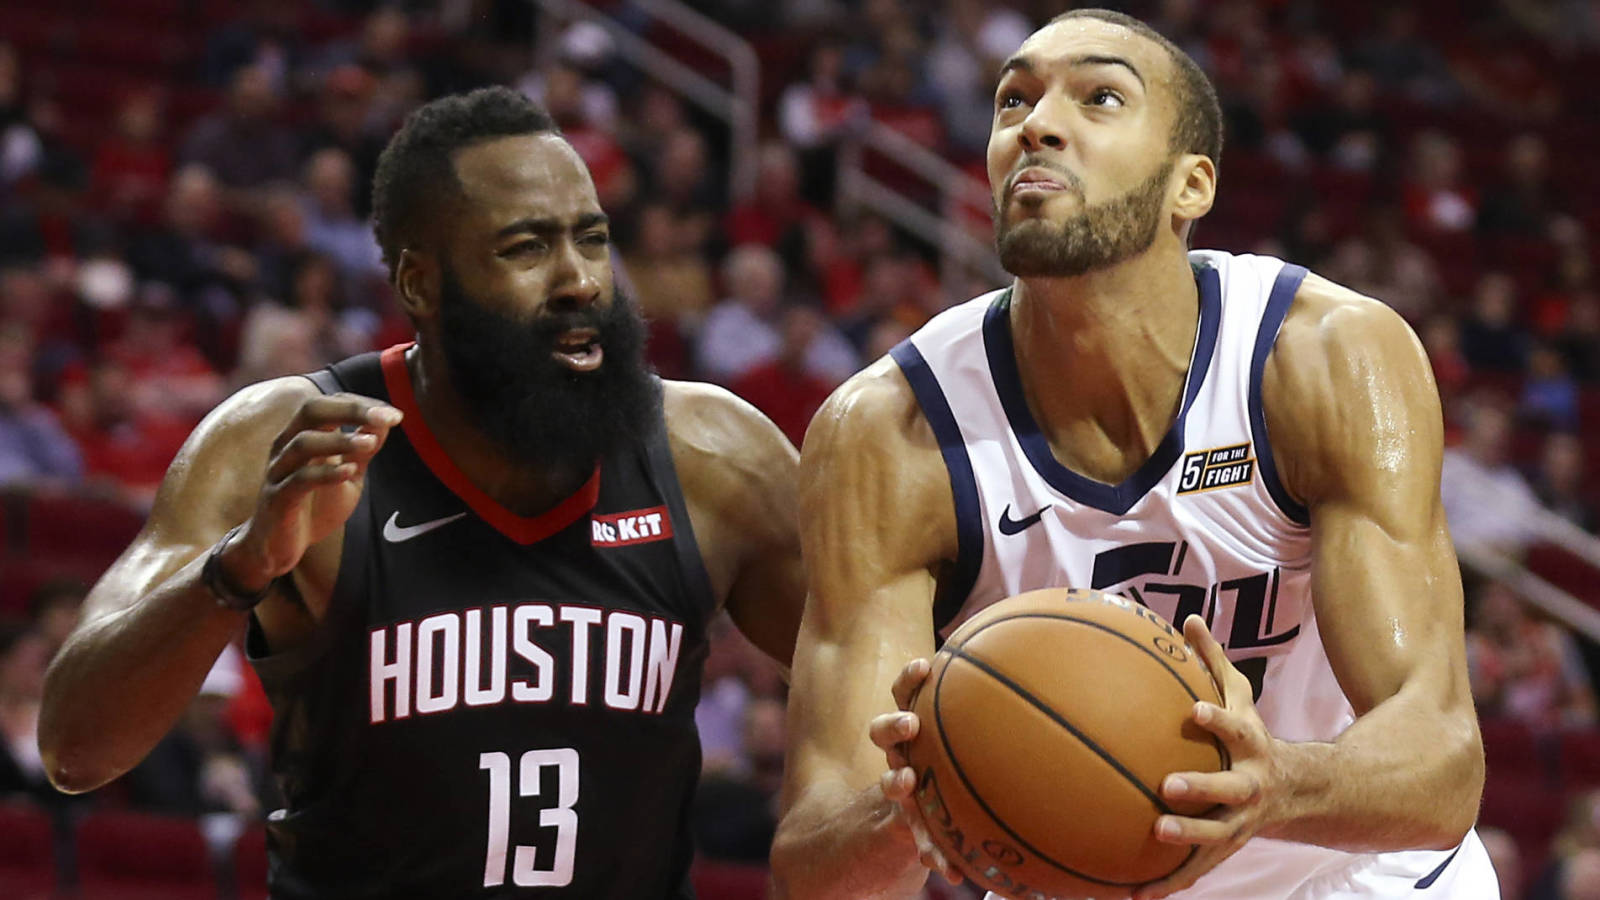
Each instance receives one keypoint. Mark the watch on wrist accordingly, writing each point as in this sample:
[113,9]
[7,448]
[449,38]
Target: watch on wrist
[216,581]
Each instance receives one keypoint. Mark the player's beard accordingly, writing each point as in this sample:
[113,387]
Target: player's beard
[536,409]
[1094,238]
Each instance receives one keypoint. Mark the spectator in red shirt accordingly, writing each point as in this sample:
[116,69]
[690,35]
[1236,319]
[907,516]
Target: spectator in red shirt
[776,216]
[1436,200]
[125,455]
[168,375]
[783,388]
[128,177]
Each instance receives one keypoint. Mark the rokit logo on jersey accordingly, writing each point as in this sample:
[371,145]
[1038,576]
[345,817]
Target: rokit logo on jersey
[1223,467]
[637,526]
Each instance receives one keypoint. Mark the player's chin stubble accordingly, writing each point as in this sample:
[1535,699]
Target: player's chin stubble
[1095,238]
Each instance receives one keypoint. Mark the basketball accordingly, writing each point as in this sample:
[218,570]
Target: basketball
[1049,721]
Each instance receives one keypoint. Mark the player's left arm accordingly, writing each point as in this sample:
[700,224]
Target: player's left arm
[739,475]
[1358,435]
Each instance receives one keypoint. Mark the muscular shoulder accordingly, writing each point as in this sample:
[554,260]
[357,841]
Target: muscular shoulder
[1348,392]
[719,439]
[871,449]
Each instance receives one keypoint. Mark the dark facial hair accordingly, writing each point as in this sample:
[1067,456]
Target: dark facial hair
[536,409]
[1095,238]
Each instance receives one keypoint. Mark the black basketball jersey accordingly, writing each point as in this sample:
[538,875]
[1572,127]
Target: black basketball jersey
[494,705]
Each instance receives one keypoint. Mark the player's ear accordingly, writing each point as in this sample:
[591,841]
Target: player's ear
[1198,188]
[416,283]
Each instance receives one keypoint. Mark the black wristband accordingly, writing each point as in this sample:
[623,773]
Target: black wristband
[216,581]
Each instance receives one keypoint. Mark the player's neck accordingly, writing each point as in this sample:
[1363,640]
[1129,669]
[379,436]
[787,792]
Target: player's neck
[524,489]
[1104,356]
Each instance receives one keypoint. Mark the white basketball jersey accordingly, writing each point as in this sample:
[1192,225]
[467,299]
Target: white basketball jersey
[1203,527]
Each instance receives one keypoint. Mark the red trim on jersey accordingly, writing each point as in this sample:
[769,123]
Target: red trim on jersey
[522,529]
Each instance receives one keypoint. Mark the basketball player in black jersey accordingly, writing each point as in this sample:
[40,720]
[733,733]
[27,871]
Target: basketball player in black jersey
[476,570]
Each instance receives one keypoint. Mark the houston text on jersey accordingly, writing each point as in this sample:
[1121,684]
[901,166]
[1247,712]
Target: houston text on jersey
[483,657]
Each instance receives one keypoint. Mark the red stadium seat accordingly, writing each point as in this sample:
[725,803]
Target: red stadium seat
[79,528]
[729,881]
[250,864]
[1580,760]
[1510,750]
[27,852]
[134,856]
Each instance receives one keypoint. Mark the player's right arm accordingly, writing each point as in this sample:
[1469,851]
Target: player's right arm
[272,458]
[876,521]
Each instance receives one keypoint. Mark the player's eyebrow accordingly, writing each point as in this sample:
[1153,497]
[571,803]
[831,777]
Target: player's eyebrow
[552,225]
[1091,60]
[1022,63]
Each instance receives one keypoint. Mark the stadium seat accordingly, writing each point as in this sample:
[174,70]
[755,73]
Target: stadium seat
[1527,807]
[27,852]
[729,881]
[135,856]
[1580,760]
[250,864]
[1510,750]
[85,528]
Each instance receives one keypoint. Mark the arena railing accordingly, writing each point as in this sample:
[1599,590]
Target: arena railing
[736,105]
[945,230]
[739,107]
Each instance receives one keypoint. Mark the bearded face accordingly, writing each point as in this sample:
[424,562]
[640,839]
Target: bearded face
[521,395]
[1093,238]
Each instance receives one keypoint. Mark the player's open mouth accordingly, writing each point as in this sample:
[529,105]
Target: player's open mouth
[579,350]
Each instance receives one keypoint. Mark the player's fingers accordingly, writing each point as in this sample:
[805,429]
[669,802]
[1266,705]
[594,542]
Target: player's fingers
[335,410]
[307,446]
[1235,687]
[1232,788]
[933,858]
[891,729]
[309,478]
[1172,829]
[910,678]
[898,785]
[1236,729]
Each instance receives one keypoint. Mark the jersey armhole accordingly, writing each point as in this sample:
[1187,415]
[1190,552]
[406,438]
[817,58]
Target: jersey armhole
[1279,300]
[953,592]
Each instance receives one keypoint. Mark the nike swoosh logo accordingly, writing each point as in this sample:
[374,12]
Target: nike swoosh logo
[394,532]
[1009,525]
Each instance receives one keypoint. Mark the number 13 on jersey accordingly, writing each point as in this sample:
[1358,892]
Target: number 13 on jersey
[562,817]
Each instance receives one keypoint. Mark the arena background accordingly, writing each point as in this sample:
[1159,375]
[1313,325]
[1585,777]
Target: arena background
[795,186]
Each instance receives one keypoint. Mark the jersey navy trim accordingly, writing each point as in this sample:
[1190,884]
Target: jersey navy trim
[963,485]
[1278,302]
[1427,880]
[1116,499]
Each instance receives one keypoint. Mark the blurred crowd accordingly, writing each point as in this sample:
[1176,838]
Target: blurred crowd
[183,210]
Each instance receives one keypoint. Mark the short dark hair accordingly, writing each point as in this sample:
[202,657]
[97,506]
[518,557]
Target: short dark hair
[417,167]
[1198,128]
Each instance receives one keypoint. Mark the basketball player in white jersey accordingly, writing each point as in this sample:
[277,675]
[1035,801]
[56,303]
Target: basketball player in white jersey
[1250,450]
